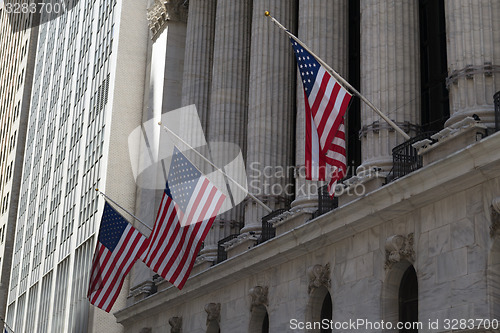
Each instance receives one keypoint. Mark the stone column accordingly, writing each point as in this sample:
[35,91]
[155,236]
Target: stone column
[167,23]
[323,27]
[473,48]
[198,57]
[271,111]
[229,102]
[390,77]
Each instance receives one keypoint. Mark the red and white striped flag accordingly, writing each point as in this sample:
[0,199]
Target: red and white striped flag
[118,248]
[187,210]
[326,102]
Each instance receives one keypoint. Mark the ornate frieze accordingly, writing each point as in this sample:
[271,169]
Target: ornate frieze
[259,296]
[318,276]
[397,248]
[163,11]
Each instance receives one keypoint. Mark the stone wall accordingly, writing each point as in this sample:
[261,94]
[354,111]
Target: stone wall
[442,227]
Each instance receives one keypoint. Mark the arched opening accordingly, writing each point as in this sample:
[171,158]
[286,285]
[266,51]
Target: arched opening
[400,282]
[265,324]
[326,312]
[408,300]
[320,307]
[494,278]
[259,320]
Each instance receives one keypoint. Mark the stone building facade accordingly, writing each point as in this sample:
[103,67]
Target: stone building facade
[414,235]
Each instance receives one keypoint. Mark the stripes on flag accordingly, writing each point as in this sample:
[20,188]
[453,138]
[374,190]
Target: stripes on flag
[187,210]
[118,247]
[326,103]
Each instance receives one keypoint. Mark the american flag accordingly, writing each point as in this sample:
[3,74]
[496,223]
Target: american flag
[187,210]
[118,247]
[326,102]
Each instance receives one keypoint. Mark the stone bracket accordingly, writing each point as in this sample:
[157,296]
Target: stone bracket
[259,296]
[397,248]
[318,276]
[213,312]
[175,324]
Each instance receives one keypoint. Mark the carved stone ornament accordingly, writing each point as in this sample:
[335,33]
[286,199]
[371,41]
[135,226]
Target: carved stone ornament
[495,217]
[398,247]
[213,312]
[318,276]
[143,290]
[259,296]
[146,330]
[175,324]
[163,11]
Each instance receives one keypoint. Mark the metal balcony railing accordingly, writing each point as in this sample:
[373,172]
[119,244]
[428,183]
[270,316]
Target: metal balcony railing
[268,230]
[221,251]
[405,159]
[325,202]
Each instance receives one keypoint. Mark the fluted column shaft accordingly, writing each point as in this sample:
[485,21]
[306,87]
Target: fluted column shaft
[229,100]
[198,57]
[271,112]
[473,48]
[390,76]
[324,28]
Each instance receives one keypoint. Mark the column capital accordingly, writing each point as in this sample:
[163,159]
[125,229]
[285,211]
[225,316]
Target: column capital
[163,11]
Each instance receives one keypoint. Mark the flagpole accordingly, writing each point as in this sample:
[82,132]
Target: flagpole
[116,203]
[218,169]
[340,78]
[6,325]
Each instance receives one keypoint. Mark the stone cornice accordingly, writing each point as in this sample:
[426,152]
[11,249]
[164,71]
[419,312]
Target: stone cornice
[163,11]
[467,167]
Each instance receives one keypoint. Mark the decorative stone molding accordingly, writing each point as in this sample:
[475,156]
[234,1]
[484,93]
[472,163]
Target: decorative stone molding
[318,276]
[175,324]
[469,71]
[163,11]
[495,217]
[146,330]
[213,312]
[259,296]
[376,126]
[398,247]
[142,290]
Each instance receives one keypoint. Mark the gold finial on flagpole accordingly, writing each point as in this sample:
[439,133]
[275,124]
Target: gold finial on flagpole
[159,123]
[267,13]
